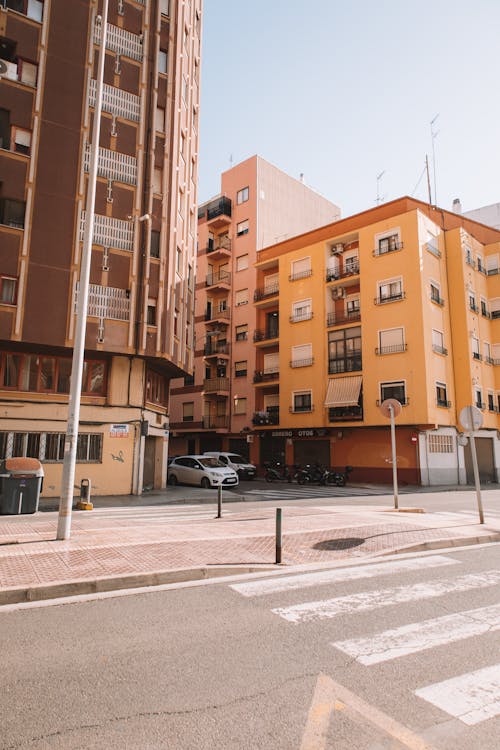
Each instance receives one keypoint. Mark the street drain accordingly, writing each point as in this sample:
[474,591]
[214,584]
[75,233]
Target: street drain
[338,544]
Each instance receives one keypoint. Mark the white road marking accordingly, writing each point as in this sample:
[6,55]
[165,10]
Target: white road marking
[289,583]
[471,697]
[420,636]
[327,608]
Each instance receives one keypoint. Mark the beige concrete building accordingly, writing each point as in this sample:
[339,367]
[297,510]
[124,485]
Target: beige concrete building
[141,301]
[258,205]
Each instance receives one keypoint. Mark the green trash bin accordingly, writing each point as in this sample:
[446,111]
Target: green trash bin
[21,482]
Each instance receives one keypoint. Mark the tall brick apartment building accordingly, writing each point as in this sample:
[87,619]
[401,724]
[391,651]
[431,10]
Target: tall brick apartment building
[141,299]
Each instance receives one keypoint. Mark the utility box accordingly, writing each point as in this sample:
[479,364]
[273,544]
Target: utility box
[21,481]
[85,486]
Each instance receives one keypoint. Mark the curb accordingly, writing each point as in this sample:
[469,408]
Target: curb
[467,541]
[141,580]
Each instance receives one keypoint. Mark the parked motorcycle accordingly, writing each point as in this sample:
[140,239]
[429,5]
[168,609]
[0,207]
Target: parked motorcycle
[339,478]
[277,473]
[311,474]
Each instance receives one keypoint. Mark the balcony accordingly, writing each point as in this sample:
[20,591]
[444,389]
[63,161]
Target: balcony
[271,416]
[221,279]
[120,41]
[495,314]
[302,362]
[113,166]
[300,316]
[393,349]
[300,274]
[395,297]
[345,413]
[110,232]
[301,409]
[260,336]
[218,211]
[473,307]
[218,316]
[271,290]
[216,350]
[107,302]
[216,422]
[433,248]
[117,102]
[388,245]
[216,385]
[332,319]
[266,376]
[219,249]
[404,401]
[333,274]
[186,425]
[437,299]
[443,403]
[439,349]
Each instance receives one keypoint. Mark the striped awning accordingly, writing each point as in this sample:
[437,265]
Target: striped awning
[343,391]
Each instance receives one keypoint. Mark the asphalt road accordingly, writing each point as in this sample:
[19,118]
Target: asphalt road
[275,662]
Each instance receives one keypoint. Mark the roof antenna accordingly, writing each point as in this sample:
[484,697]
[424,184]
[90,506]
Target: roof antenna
[434,135]
[380,198]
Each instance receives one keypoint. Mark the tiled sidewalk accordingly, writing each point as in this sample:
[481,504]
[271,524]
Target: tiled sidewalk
[116,547]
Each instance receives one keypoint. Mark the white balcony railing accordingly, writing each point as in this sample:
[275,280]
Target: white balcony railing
[117,102]
[113,166]
[120,41]
[110,232]
[107,302]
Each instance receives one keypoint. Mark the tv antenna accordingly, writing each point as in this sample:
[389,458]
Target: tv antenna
[380,198]
[434,135]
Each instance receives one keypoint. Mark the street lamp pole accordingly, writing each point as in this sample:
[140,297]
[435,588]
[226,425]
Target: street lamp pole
[68,473]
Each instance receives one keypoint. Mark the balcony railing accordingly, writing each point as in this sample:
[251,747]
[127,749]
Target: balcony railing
[299,317]
[217,315]
[489,360]
[117,102]
[223,243]
[346,364]
[437,299]
[443,402]
[218,277]
[110,232]
[113,166]
[393,349]
[477,356]
[332,319]
[403,401]
[120,41]
[263,376]
[107,302]
[382,300]
[268,291]
[306,408]
[260,335]
[212,385]
[433,248]
[211,350]
[439,349]
[300,274]
[390,247]
[270,416]
[219,207]
[302,362]
[333,274]
[473,307]
[495,314]
[345,413]
[216,422]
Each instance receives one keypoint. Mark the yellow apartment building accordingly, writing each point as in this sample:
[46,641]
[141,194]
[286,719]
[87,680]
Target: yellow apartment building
[401,301]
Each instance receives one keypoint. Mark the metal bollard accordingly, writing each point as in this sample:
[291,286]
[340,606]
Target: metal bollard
[278,536]
[85,490]
[219,501]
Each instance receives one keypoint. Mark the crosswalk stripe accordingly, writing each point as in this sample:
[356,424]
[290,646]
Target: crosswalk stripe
[289,583]
[419,636]
[367,600]
[471,697]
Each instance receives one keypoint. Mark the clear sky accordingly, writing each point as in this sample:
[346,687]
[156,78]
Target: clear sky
[342,91]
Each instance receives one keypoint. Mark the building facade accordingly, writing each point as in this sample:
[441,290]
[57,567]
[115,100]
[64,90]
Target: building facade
[258,206]
[141,297]
[401,301]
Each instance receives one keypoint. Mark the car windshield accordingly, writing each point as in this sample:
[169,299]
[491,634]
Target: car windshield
[210,461]
[236,459]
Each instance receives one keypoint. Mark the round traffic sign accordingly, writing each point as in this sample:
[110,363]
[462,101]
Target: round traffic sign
[385,407]
[471,418]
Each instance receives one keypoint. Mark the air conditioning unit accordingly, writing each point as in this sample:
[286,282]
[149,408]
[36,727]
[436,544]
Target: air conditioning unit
[337,248]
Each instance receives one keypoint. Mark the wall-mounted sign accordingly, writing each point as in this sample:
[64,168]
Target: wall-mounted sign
[118,430]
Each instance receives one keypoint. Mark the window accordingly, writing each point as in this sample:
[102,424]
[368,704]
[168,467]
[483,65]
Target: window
[390,290]
[54,446]
[441,395]
[484,308]
[480,264]
[188,380]
[387,243]
[154,248]
[440,443]
[89,448]
[31,8]
[475,347]
[487,353]
[242,332]
[301,355]
[353,308]
[344,350]
[178,260]
[301,310]
[242,195]
[160,119]
[49,446]
[242,228]
[162,61]
[12,212]
[241,297]
[242,262]
[21,141]
[491,402]
[164,7]
[8,290]
[157,180]
[351,264]
[240,369]
[185,87]
[151,313]
[438,342]
[240,405]
[436,294]
[188,411]
[302,401]
[391,341]
[27,72]
[432,244]
[156,388]
[300,269]
[29,372]
[472,302]
[395,390]
[479,399]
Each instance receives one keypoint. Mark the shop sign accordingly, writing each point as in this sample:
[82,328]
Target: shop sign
[310,432]
[118,430]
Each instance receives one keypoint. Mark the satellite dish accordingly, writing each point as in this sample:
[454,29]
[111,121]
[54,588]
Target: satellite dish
[3,67]
[385,407]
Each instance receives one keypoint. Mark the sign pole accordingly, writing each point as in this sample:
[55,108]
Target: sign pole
[475,469]
[394,457]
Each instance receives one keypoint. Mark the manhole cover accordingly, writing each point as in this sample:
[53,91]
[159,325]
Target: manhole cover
[336,544]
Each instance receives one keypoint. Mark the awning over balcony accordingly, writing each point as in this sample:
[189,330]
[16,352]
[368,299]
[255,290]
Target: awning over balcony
[343,391]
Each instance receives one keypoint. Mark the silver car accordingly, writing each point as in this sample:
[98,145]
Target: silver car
[203,471]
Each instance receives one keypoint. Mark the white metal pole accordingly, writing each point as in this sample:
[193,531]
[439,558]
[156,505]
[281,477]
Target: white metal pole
[476,477]
[68,473]
[394,458]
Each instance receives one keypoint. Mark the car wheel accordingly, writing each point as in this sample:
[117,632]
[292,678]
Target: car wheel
[205,483]
[172,480]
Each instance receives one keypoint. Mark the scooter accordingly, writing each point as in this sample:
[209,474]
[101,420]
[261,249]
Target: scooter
[311,474]
[276,473]
[339,478]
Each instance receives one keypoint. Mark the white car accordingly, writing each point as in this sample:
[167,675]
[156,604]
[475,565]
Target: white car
[243,468]
[203,471]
